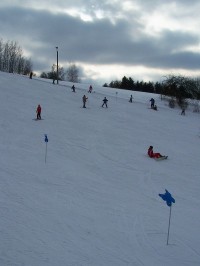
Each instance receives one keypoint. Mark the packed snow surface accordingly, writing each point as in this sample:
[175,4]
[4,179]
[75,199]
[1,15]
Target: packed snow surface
[95,202]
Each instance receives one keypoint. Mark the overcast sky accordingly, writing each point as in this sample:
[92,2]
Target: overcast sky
[107,39]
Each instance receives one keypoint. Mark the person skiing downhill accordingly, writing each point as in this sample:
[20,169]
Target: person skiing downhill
[84,100]
[154,155]
[105,100]
[38,111]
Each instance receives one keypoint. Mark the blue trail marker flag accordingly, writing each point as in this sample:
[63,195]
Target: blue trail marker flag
[168,198]
[46,139]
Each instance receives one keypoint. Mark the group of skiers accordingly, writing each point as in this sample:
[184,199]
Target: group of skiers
[84,99]
[89,90]
[105,100]
[150,152]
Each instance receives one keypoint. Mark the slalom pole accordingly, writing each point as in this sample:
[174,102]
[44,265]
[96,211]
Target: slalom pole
[46,153]
[169,224]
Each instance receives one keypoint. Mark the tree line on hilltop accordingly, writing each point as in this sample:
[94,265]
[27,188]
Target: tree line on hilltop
[178,88]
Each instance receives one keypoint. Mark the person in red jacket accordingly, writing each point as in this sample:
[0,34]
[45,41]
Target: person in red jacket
[38,111]
[152,154]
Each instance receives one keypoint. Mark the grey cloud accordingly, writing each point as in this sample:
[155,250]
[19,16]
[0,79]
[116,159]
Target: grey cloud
[97,42]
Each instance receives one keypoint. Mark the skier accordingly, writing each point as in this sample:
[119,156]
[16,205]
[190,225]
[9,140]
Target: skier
[73,88]
[154,155]
[31,74]
[84,101]
[131,99]
[152,102]
[38,111]
[183,111]
[105,102]
[90,89]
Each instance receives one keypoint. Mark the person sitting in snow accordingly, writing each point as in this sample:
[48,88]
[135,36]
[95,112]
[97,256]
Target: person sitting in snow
[152,154]
[105,100]
[38,111]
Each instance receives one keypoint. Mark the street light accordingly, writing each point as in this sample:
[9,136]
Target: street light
[57,63]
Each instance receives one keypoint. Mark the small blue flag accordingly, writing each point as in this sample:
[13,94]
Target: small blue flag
[46,139]
[167,197]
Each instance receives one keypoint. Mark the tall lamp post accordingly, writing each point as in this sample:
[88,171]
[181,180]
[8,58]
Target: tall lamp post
[57,63]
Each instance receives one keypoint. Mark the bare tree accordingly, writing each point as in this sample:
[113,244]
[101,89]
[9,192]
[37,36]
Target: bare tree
[6,58]
[1,55]
[72,73]
[12,60]
[180,88]
[27,66]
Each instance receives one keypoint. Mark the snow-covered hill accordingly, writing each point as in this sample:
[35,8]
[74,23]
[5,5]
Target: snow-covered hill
[95,201]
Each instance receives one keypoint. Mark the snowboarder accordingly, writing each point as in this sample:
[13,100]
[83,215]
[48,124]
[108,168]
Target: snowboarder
[152,102]
[155,155]
[73,88]
[38,111]
[105,102]
[84,101]
[90,89]
[131,99]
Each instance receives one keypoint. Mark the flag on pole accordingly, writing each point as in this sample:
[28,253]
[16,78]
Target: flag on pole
[168,198]
[46,138]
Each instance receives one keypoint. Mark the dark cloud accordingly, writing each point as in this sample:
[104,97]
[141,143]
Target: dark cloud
[97,41]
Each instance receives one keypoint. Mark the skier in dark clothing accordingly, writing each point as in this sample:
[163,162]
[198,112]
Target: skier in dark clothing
[73,88]
[38,111]
[183,111]
[90,89]
[131,99]
[152,102]
[105,102]
[84,101]
[31,74]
